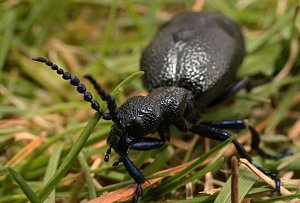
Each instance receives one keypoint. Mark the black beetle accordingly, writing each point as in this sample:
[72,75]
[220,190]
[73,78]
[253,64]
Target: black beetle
[190,64]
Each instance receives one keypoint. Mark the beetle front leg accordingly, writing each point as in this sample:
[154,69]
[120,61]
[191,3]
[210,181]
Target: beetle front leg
[147,143]
[240,124]
[137,175]
[164,132]
[221,135]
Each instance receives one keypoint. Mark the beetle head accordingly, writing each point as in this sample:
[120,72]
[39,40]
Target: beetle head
[116,138]
[121,136]
[133,120]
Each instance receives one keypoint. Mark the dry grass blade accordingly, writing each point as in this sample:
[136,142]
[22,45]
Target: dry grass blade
[198,5]
[265,178]
[234,180]
[13,122]
[125,194]
[291,159]
[26,151]
[106,39]
[294,132]
[294,53]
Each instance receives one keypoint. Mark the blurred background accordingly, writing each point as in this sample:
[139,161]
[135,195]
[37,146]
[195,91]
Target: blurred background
[42,115]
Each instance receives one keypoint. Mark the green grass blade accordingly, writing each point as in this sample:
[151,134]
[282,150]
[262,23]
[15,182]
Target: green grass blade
[70,158]
[279,25]
[88,177]
[79,144]
[106,39]
[24,186]
[200,160]
[9,21]
[39,8]
[214,165]
[51,168]
[283,198]
[199,199]
[109,27]
[245,182]
[13,198]
[120,88]
[172,181]
[160,160]
[283,107]
[129,6]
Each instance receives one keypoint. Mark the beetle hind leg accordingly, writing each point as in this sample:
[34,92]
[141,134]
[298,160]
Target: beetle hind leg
[242,84]
[221,135]
[255,146]
[240,124]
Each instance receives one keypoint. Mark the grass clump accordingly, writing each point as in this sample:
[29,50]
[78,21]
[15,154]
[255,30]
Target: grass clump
[51,144]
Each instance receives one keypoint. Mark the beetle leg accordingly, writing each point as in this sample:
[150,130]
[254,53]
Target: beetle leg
[181,125]
[244,83]
[164,132]
[221,135]
[137,175]
[243,124]
[147,143]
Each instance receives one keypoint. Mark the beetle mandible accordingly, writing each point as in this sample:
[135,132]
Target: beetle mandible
[190,64]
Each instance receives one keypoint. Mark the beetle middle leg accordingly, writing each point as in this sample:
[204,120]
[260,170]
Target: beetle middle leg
[240,124]
[221,135]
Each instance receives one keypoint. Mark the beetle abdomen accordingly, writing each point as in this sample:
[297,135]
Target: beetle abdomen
[197,51]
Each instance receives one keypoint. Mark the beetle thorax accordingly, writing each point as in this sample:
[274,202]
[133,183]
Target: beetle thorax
[142,115]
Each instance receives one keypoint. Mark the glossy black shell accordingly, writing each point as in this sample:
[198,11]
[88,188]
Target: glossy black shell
[197,51]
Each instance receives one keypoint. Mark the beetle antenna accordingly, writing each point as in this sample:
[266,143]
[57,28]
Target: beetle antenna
[81,88]
[110,100]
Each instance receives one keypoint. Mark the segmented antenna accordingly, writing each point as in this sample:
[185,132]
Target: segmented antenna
[81,88]
[110,100]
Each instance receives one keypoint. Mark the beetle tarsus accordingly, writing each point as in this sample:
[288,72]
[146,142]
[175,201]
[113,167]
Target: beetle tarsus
[271,175]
